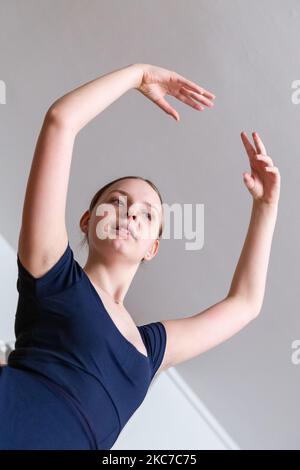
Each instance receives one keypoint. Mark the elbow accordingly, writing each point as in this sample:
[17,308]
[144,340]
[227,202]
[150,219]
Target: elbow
[254,310]
[251,309]
[55,115]
[255,313]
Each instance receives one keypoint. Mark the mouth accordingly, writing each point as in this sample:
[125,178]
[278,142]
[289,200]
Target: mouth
[123,231]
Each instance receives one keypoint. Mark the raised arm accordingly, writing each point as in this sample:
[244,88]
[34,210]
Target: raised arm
[43,236]
[190,336]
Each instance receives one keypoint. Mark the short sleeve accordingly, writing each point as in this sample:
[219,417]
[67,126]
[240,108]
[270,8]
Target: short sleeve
[155,338]
[62,275]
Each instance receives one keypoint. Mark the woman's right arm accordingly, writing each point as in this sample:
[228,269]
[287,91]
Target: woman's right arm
[78,107]
[43,236]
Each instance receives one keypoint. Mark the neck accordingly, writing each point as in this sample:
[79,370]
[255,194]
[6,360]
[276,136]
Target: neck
[113,279]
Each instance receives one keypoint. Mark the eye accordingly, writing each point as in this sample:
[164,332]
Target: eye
[148,215]
[115,199]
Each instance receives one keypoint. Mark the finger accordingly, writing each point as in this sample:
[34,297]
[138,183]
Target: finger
[264,158]
[189,101]
[164,105]
[273,169]
[206,93]
[248,180]
[248,146]
[194,87]
[260,148]
[197,97]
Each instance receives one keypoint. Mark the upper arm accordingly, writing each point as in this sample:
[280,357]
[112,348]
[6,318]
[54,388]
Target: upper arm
[188,337]
[43,236]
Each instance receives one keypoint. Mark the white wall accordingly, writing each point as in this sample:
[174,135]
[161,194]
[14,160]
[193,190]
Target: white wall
[9,293]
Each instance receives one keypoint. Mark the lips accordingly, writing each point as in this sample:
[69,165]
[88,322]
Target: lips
[123,230]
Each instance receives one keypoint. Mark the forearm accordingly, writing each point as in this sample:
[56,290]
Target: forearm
[250,275]
[80,106]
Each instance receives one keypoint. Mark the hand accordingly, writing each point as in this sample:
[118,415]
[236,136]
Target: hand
[157,82]
[264,182]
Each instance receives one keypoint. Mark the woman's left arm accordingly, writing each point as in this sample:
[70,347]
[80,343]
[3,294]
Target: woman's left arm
[190,336]
[249,279]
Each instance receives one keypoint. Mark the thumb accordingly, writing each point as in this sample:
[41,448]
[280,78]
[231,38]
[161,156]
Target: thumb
[165,106]
[249,181]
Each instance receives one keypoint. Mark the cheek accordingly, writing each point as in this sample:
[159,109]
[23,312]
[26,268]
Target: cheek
[102,225]
[106,214]
[149,231]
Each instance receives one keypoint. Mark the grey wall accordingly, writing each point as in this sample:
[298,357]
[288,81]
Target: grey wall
[246,52]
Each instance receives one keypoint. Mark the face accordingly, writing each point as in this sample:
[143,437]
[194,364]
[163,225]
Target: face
[125,221]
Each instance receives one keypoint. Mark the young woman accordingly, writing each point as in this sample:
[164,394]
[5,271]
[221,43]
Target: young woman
[81,367]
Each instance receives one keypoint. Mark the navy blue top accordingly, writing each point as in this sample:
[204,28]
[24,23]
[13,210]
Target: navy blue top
[65,334]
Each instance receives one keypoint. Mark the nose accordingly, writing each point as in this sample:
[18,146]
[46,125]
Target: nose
[131,215]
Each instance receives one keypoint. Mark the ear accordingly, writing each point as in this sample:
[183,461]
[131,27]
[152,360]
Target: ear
[84,221]
[152,251]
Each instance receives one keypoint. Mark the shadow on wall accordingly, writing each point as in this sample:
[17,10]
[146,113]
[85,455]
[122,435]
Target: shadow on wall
[5,350]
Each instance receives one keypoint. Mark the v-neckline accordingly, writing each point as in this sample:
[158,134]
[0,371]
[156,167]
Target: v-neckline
[112,322]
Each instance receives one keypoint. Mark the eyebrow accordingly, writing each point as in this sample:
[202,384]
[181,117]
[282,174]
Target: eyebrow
[127,194]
